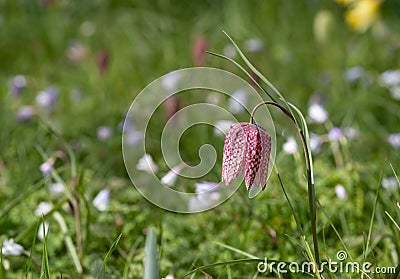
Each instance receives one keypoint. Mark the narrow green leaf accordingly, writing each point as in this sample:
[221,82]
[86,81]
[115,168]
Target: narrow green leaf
[29,263]
[258,74]
[151,270]
[397,272]
[244,71]
[299,228]
[336,231]
[366,252]
[235,250]
[108,255]
[129,258]
[2,271]
[391,219]
[17,201]
[232,262]
[45,273]
[307,138]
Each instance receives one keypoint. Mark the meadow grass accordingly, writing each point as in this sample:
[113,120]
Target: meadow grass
[127,44]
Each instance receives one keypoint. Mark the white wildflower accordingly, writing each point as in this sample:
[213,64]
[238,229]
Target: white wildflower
[102,200]
[221,127]
[11,248]
[170,81]
[43,230]
[56,188]
[238,101]
[43,208]
[394,140]
[147,164]
[317,113]
[351,133]
[341,192]
[290,146]
[170,177]
[253,45]
[315,142]
[390,78]
[389,183]
[229,51]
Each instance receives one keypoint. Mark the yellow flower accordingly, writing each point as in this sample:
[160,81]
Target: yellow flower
[362,14]
[345,2]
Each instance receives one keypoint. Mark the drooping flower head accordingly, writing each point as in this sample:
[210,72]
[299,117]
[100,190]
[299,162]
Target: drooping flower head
[247,149]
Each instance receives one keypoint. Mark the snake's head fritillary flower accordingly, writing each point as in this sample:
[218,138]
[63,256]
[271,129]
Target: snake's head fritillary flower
[247,149]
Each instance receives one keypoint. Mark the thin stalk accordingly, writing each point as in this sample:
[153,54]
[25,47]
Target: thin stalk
[310,180]
[68,242]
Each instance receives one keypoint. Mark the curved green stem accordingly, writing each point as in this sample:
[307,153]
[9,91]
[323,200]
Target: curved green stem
[310,180]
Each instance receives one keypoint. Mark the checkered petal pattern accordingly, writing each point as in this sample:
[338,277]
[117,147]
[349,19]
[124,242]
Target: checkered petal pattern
[247,149]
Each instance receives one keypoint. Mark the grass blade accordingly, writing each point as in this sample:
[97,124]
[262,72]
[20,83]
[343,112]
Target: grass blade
[244,71]
[300,229]
[29,263]
[258,74]
[45,273]
[68,241]
[391,219]
[232,262]
[397,273]
[2,271]
[235,250]
[17,201]
[366,252]
[108,255]
[151,270]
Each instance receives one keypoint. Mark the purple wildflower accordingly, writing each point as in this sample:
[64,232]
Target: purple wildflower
[17,84]
[335,134]
[104,133]
[394,140]
[47,99]
[24,113]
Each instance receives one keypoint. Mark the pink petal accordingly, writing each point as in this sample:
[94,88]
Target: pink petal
[262,175]
[258,149]
[234,146]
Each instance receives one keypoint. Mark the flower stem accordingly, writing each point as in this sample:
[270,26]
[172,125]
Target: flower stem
[310,184]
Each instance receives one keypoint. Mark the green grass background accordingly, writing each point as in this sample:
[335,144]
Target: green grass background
[146,39]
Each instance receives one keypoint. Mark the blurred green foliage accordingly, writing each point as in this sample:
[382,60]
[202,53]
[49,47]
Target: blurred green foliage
[134,42]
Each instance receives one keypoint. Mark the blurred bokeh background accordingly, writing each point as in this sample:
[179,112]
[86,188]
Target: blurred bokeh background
[69,71]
